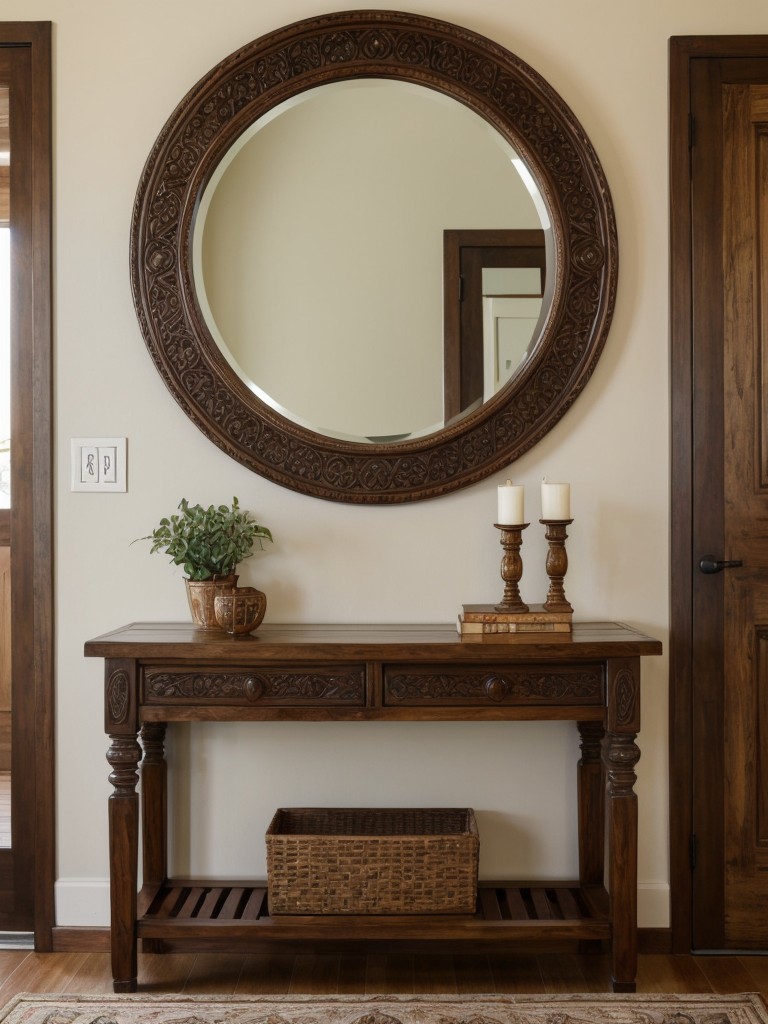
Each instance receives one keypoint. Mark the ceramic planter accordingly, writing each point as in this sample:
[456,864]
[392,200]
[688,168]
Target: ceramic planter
[202,594]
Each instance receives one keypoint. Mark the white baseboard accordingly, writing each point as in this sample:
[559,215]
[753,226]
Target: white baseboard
[653,905]
[85,902]
[82,902]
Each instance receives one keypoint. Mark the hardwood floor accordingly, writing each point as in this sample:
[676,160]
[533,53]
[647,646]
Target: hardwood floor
[223,974]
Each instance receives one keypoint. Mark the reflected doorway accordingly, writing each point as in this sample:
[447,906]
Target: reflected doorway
[494,288]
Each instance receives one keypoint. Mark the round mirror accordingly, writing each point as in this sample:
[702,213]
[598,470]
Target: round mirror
[381,149]
[344,333]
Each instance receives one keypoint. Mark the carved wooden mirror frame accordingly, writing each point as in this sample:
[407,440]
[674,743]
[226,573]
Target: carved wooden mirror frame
[489,80]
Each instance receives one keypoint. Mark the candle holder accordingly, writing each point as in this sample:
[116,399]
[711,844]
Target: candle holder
[513,621]
[511,567]
[557,564]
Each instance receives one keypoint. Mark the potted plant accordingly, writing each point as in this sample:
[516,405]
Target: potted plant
[210,543]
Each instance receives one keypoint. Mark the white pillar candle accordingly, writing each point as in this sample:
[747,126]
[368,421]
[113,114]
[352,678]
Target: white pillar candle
[511,504]
[555,501]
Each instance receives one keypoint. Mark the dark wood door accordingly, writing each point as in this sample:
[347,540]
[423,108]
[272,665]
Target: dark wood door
[27,864]
[745,339]
[724,557]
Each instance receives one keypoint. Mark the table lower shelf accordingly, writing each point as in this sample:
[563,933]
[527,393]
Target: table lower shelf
[506,911]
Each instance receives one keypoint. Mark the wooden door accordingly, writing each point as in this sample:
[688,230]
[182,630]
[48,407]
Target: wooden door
[27,864]
[720,509]
[745,345]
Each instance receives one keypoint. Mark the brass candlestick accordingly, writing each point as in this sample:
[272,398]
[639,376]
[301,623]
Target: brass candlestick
[511,567]
[557,564]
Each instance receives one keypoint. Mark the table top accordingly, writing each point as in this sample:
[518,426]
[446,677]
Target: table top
[299,641]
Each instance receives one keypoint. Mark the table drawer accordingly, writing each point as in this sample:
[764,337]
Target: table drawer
[484,685]
[276,686]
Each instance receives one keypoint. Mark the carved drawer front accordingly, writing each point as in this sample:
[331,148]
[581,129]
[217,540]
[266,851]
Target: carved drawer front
[287,687]
[485,685]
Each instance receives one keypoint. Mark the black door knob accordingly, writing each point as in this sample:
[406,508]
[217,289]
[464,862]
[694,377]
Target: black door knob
[710,564]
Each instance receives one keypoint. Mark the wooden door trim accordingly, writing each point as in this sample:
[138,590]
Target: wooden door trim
[681,512]
[39,35]
[42,427]
[683,51]
[31,534]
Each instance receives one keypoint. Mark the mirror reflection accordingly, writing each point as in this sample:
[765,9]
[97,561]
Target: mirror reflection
[322,267]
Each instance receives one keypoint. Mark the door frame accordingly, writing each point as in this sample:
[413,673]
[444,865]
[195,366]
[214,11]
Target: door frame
[462,343]
[683,50]
[31,533]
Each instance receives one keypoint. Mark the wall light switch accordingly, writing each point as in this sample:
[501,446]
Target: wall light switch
[99,464]
[107,464]
[89,464]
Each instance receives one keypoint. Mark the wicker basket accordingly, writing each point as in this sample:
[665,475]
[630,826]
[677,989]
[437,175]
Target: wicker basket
[372,861]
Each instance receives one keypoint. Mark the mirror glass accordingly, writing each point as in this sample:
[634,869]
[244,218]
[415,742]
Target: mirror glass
[320,261]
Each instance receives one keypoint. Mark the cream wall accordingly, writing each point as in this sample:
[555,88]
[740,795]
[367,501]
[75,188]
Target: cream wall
[119,71]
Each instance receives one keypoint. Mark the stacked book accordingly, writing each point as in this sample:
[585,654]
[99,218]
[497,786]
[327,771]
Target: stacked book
[486,622]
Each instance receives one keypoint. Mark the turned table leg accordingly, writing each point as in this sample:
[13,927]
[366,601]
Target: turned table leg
[154,813]
[591,809]
[123,756]
[121,723]
[620,755]
[591,791]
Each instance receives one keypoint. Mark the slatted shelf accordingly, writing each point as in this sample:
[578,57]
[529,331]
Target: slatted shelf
[563,910]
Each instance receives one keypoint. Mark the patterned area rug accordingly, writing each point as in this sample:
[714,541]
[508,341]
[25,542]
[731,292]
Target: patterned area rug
[746,1008]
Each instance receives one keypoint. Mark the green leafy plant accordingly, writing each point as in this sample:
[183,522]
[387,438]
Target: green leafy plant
[209,541]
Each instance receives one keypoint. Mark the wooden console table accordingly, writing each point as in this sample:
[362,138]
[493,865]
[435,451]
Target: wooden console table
[157,673]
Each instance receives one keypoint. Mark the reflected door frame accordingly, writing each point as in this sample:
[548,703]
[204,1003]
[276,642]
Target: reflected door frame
[27,870]
[465,253]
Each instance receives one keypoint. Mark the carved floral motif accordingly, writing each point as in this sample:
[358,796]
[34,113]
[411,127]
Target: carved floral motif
[626,696]
[584,687]
[118,692]
[268,686]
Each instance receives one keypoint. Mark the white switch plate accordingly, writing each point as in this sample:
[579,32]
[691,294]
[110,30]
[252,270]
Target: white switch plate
[99,464]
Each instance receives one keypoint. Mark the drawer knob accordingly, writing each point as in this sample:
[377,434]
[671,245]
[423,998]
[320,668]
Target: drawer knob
[496,689]
[254,688]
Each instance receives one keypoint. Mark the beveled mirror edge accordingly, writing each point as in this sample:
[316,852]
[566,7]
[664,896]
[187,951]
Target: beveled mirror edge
[476,72]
